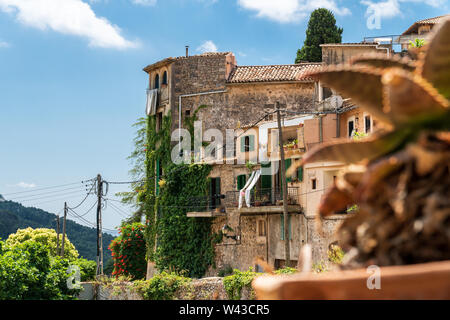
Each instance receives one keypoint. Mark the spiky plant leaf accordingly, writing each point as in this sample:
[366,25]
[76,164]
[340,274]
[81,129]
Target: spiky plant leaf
[334,200]
[380,60]
[409,97]
[362,84]
[435,64]
[365,149]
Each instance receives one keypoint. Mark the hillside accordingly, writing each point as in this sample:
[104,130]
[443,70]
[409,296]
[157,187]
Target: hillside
[14,216]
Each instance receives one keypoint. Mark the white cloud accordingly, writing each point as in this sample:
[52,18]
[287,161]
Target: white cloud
[207,46]
[4,44]
[286,11]
[392,8]
[73,17]
[25,185]
[144,2]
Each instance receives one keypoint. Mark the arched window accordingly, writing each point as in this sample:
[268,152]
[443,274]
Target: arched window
[164,79]
[156,81]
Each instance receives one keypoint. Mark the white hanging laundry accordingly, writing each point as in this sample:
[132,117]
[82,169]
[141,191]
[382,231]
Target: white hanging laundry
[250,187]
[242,191]
[152,95]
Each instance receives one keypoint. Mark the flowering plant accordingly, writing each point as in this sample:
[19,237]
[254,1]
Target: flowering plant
[128,252]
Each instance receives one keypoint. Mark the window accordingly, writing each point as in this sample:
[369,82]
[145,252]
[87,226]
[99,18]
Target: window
[164,79]
[300,173]
[314,184]
[241,180]
[350,128]
[159,120]
[187,113]
[156,85]
[367,124]
[248,143]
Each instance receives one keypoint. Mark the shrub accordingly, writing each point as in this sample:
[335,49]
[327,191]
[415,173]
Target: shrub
[237,281]
[46,237]
[128,252]
[162,286]
[88,269]
[28,271]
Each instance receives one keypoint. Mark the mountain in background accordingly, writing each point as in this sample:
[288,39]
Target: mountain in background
[14,216]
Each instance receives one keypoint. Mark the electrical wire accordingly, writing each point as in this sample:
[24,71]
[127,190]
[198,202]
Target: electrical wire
[87,195]
[57,195]
[44,193]
[46,188]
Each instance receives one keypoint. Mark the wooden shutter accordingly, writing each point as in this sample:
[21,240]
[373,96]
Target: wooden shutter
[300,173]
[241,180]
[243,144]
[251,143]
[287,163]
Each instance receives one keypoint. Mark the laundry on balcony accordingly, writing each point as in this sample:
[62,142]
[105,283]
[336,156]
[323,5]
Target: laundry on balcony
[152,97]
[248,188]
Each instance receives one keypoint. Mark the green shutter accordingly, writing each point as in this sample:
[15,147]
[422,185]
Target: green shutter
[243,144]
[252,143]
[300,173]
[217,199]
[241,180]
[287,163]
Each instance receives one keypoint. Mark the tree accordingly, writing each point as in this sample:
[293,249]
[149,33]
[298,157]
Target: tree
[321,29]
[44,236]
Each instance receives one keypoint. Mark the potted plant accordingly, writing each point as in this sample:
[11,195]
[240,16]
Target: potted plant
[401,183]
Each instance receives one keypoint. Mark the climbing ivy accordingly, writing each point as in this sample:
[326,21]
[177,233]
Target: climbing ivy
[184,244]
[174,241]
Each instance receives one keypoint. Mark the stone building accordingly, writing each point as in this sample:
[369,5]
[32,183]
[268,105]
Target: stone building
[243,98]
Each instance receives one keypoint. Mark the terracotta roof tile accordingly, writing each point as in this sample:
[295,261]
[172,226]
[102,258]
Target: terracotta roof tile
[292,72]
[433,21]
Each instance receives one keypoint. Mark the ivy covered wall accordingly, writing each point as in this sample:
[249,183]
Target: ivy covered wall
[174,241]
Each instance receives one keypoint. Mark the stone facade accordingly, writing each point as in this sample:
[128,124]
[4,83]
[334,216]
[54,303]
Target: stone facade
[236,100]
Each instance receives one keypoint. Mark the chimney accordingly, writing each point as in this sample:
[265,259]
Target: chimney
[187,51]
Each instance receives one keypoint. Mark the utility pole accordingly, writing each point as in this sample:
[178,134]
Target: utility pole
[64,229]
[57,236]
[99,226]
[287,249]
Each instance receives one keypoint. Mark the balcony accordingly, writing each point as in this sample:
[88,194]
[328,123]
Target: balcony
[265,200]
[163,95]
[206,207]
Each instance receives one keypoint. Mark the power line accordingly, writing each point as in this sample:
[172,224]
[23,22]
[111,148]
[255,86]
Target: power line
[44,193]
[57,195]
[46,188]
[87,195]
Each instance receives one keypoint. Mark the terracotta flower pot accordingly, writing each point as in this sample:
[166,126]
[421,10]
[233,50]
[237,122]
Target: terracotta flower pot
[420,281]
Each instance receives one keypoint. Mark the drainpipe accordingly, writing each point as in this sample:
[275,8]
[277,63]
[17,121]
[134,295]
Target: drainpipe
[191,95]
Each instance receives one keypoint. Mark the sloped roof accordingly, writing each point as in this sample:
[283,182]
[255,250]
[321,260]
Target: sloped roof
[272,73]
[167,61]
[431,21]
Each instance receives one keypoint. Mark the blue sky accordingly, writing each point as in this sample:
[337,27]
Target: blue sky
[71,79]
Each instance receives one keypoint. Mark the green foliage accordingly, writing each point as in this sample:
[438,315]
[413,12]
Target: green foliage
[14,216]
[321,29]
[88,269]
[417,43]
[286,270]
[319,267]
[28,271]
[157,149]
[162,286]
[237,281]
[44,236]
[183,243]
[128,252]
[137,159]
[225,271]
[335,254]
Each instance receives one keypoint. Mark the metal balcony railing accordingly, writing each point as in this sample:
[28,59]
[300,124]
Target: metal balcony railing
[205,203]
[263,197]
